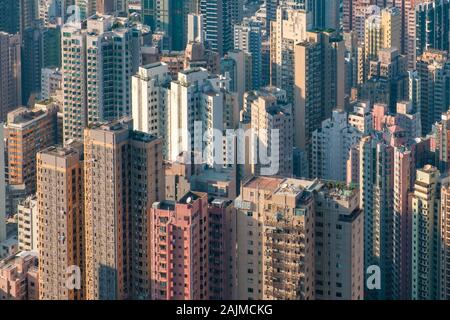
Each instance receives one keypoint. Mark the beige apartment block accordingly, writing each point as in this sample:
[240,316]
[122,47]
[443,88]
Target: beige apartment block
[60,213]
[297,238]
[124,177]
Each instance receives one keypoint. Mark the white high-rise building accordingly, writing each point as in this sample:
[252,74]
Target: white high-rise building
[272,122]
[331,147]
[97,65]
[150,99]
[199,102]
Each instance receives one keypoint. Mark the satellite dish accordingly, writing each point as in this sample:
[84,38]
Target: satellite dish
[189,200]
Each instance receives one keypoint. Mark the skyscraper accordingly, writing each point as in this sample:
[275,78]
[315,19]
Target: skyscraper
[331,145]
[248,38]
[432,26]
[61,218]
[16,16]
[283,232]
[319,83]
[289,29]
[199,103]
[273,124]
[29,131]
[10,74]
[433,69]
[425,213]
[376,198]
[222,278]
[171,18]
[219,18]
[32,58]
[179,248]
[97,67]
[116,213]
[150,100]
[9,16]
[445,244]
[326,14]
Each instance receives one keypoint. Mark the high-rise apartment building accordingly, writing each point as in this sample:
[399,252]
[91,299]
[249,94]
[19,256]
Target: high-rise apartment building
[248,38]
[150,100]
[61,243]
[179,248]
[74,82]
[331,145]
[222,280]
[373,37]
[273,124]
[387,168]
[433,68]
[199,102]
[339,243]
[441,132]
[10,74]
[10,16]
[123,177]
[376,199]
[404,166]
[219,18]
[97,66]
[426,235]
[274,229]
[284,230]
[29,131]
[319,83]
[170,17]
[432,26]
[391,24]
[326,14]
[289,29]
[445,242]
[387,79]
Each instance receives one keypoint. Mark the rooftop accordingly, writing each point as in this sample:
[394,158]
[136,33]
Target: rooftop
[265,183]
